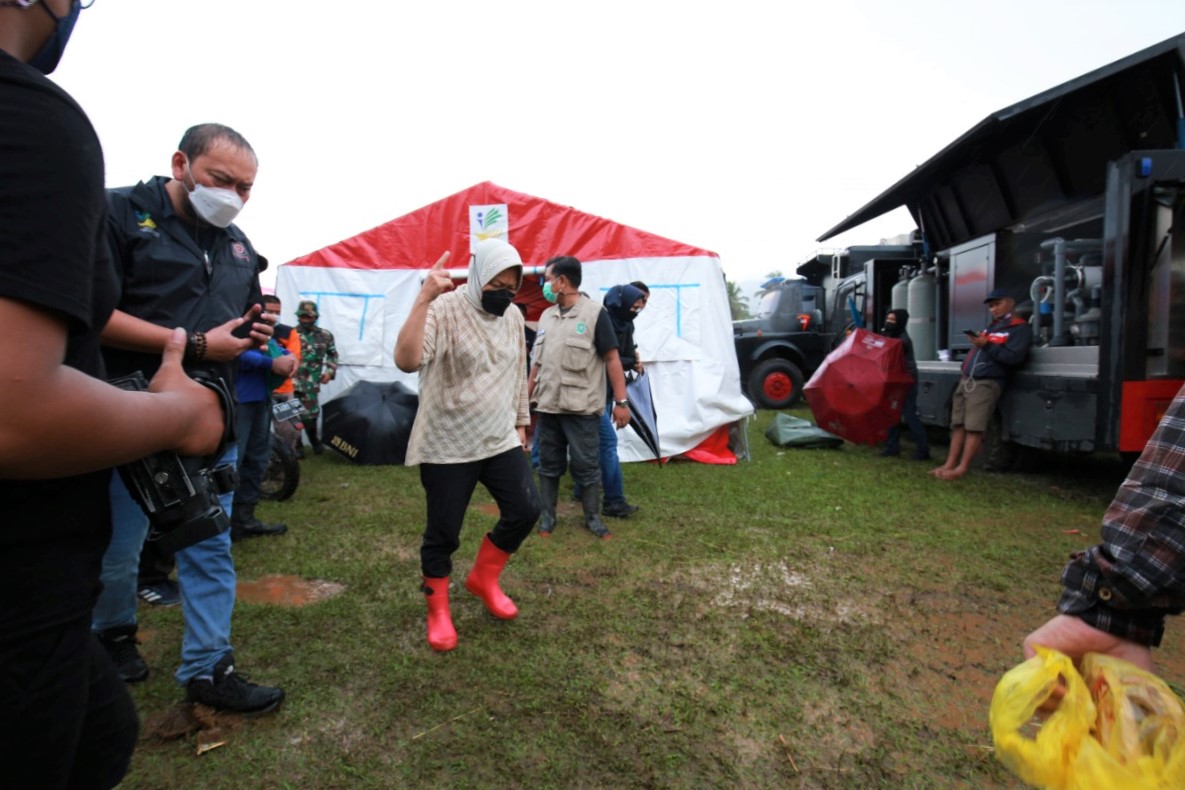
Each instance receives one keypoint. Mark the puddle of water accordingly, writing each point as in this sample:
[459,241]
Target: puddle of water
[282,590]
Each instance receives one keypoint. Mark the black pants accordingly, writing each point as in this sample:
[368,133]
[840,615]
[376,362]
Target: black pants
[67,720]
[156,564]
[449,487]
[917,431]
[570,439]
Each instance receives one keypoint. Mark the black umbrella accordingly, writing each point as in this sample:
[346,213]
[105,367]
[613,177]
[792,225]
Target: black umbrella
[370,423]
[643,418]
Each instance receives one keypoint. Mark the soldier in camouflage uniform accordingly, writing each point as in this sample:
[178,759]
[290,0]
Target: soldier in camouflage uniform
[318,365]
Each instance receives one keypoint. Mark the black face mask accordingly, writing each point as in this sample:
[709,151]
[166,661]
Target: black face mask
[891,330]
[623,313]
[497,302]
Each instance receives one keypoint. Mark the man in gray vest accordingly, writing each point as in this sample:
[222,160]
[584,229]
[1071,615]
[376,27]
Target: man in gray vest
[575,348]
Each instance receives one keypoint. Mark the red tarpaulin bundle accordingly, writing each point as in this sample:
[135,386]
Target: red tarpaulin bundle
[858,391]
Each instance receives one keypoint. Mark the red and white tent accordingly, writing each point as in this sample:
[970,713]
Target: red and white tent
[365,286]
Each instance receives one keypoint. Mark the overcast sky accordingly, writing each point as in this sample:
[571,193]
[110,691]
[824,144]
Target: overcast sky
[747,128]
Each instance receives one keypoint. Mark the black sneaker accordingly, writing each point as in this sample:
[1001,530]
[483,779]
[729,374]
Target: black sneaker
[256,529]
[163,593]
[619,510]
[231,691]
[120,643]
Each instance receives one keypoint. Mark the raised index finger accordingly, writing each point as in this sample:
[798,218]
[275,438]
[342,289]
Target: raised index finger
[441,261]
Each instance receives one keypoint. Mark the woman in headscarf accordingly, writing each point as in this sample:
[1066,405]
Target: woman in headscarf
[896,322]
[471,423]
[622,303]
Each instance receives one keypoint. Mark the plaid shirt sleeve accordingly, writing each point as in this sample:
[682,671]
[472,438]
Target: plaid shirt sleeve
[1129,582]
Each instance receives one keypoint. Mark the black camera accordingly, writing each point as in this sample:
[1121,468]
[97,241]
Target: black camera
[180,494]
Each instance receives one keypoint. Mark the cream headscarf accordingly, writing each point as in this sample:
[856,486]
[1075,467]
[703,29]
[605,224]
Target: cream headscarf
[489,259]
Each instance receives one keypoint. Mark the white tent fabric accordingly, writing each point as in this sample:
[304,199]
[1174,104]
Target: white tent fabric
[684,336]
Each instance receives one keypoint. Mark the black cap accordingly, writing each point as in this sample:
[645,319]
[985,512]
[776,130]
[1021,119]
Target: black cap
[997,293]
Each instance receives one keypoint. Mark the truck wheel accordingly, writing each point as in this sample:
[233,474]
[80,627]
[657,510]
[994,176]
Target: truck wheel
[282,475]
[775,384]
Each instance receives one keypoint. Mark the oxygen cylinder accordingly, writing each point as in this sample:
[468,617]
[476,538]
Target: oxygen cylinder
[921,302]
[899,296]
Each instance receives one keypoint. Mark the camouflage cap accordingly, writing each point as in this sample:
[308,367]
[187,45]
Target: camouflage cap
[307,308]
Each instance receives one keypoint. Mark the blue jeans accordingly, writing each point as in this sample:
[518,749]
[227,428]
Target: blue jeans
[535,448]
[205,574]
[611,481]
[253,425]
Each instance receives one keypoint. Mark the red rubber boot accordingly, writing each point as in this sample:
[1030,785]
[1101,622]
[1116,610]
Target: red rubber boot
[441,634]
[483,580]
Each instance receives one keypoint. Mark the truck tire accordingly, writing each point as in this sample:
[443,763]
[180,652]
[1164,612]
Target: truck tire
[775,384]
[282,475]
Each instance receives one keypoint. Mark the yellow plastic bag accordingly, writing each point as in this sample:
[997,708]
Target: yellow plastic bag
[1116,727]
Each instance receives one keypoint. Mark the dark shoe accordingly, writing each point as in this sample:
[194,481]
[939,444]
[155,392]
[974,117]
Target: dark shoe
[231,691]
[255,530]
[548,491]
[120,643]
[163,593]
[619,510]
[598,529]
[318,448]
[244,524]
[591,496]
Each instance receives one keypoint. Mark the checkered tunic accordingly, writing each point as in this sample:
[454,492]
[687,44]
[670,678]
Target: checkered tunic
[473,384]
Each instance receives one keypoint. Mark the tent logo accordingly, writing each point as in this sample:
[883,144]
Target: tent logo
[488,222]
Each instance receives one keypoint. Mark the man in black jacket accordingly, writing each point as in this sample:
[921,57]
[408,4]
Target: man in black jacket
[181,262]
[67,720]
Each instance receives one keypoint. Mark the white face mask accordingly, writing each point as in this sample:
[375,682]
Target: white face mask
[217,206]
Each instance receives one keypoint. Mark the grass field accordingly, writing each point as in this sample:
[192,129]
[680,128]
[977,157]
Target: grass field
[808,619]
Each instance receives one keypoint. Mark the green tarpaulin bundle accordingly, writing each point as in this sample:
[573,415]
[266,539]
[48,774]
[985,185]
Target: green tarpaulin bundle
[788,431]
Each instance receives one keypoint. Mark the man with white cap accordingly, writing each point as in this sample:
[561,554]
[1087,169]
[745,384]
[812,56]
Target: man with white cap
[471,424]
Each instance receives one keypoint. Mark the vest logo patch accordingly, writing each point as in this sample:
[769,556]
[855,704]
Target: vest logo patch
[146,224]
[239,250]
[581,328]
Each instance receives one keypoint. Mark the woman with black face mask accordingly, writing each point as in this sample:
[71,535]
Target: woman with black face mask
[622,303]
[470,428]
[895,326]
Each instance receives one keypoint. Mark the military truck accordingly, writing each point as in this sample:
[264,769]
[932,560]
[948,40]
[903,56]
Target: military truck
[796,324]
[782,344]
